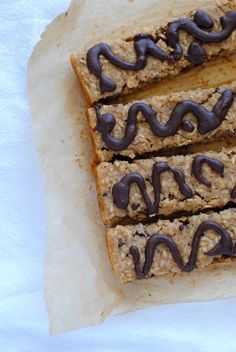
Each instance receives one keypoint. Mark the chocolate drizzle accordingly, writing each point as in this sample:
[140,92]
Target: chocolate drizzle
[215,164]
[121,190]
[206,120]
[224,247]
[144,46]
[233,193]
[200,28]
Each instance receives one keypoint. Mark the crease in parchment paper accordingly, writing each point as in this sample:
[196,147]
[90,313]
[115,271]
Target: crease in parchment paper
[80,287]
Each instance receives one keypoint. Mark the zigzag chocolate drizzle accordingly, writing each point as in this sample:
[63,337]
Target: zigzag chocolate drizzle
[215,164]
[224,247]
[206,120]
[145,45]
[121,190]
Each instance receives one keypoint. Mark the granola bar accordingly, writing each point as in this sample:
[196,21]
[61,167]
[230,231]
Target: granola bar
[170,247]
[163,122]
[125,65]
[163,186]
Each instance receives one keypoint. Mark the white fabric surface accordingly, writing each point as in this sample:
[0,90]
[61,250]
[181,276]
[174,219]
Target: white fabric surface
[23,319]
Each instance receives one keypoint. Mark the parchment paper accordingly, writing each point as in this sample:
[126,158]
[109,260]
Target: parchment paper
[81,289]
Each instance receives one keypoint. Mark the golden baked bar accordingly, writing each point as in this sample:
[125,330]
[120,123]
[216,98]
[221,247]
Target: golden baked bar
[163,122]
[170,247]
[125,65]
[162,186]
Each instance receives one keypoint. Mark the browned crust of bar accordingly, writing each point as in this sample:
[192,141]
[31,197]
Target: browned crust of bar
[99,191]
[96,146]
[83,86]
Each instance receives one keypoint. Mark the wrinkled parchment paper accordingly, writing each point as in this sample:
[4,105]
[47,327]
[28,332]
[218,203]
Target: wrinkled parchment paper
[81,289]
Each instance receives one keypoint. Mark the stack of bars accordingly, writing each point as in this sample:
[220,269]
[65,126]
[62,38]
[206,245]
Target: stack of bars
[166,210]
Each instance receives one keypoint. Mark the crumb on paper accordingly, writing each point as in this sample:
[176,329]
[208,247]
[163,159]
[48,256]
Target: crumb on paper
[79,162]
[82,134]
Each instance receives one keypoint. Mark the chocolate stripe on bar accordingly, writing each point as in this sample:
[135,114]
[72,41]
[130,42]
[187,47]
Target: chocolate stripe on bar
[233,193]
[223,247]
[121,190]
[145,45]
[215,164]
[206,120]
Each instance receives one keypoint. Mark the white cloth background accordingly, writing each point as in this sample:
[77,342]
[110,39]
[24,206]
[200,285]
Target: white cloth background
[23,320]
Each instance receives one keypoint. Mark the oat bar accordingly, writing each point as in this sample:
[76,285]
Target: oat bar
[170,247]
[162,186]
[125,65]
[163,122]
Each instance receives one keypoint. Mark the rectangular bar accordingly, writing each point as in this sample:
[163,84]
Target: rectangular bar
[125,65]
[214,227]
[165,114]
[163,186]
